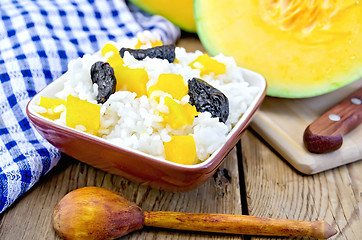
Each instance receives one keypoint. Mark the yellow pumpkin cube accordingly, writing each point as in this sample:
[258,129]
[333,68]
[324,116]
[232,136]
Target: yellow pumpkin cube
[179,115]
[133,80]
[81,113]
[128,79]
[190,111]
[170,83]
[181,149]
[154,43]
[115,60]
[207,65]
[50,104]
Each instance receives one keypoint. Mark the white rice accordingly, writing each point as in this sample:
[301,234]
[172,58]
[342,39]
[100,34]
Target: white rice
[128,121]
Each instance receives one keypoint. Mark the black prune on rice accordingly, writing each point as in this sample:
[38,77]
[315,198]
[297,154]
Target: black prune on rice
[103,75]
[207,98]
[162,52]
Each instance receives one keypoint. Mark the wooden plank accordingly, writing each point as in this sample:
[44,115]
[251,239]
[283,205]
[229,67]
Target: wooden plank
[274,189]
[31,216]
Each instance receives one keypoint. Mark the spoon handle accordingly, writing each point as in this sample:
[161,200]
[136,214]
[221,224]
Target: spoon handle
[238,224]
[326,133]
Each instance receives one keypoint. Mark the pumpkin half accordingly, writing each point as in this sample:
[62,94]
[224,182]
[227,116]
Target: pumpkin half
[179,12]
[302,48]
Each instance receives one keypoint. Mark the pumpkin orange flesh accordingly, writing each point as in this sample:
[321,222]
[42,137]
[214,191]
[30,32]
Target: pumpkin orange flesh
[179,12]
[302,48]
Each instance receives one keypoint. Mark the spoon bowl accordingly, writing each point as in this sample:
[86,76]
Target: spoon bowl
[96,213]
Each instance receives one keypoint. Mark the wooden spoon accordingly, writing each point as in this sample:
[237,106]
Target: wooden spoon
[98,213]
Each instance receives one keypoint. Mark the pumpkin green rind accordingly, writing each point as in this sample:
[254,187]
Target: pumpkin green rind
[303,50]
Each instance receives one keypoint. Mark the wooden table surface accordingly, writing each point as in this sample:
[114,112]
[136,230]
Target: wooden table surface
[253,180]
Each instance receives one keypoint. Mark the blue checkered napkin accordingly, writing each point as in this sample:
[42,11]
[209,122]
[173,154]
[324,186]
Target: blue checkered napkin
[37,40]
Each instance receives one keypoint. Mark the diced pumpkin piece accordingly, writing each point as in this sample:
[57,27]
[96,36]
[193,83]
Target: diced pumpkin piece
[115,60]
[172,84]
[179,115]
[84,113]
[191,112]
[50,104]
[207,65]
[133,80]
[47,102]
[154,43]
[181,149]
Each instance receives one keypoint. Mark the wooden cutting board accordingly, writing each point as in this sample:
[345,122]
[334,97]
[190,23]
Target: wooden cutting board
[281,122]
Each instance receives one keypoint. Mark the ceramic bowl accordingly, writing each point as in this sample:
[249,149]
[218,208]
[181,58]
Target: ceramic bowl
[132,164]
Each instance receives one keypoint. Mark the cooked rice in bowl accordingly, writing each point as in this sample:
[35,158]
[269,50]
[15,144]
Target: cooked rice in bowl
[136,121]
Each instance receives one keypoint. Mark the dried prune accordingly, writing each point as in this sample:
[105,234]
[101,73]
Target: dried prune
[162,52]
[103,75]
[207,98]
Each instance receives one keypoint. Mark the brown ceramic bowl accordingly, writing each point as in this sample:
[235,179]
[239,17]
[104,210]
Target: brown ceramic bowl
[132,164]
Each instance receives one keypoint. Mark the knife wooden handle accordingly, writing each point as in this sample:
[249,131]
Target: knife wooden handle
[326,133]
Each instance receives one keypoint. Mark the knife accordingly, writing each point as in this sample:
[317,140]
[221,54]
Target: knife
[326,133]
